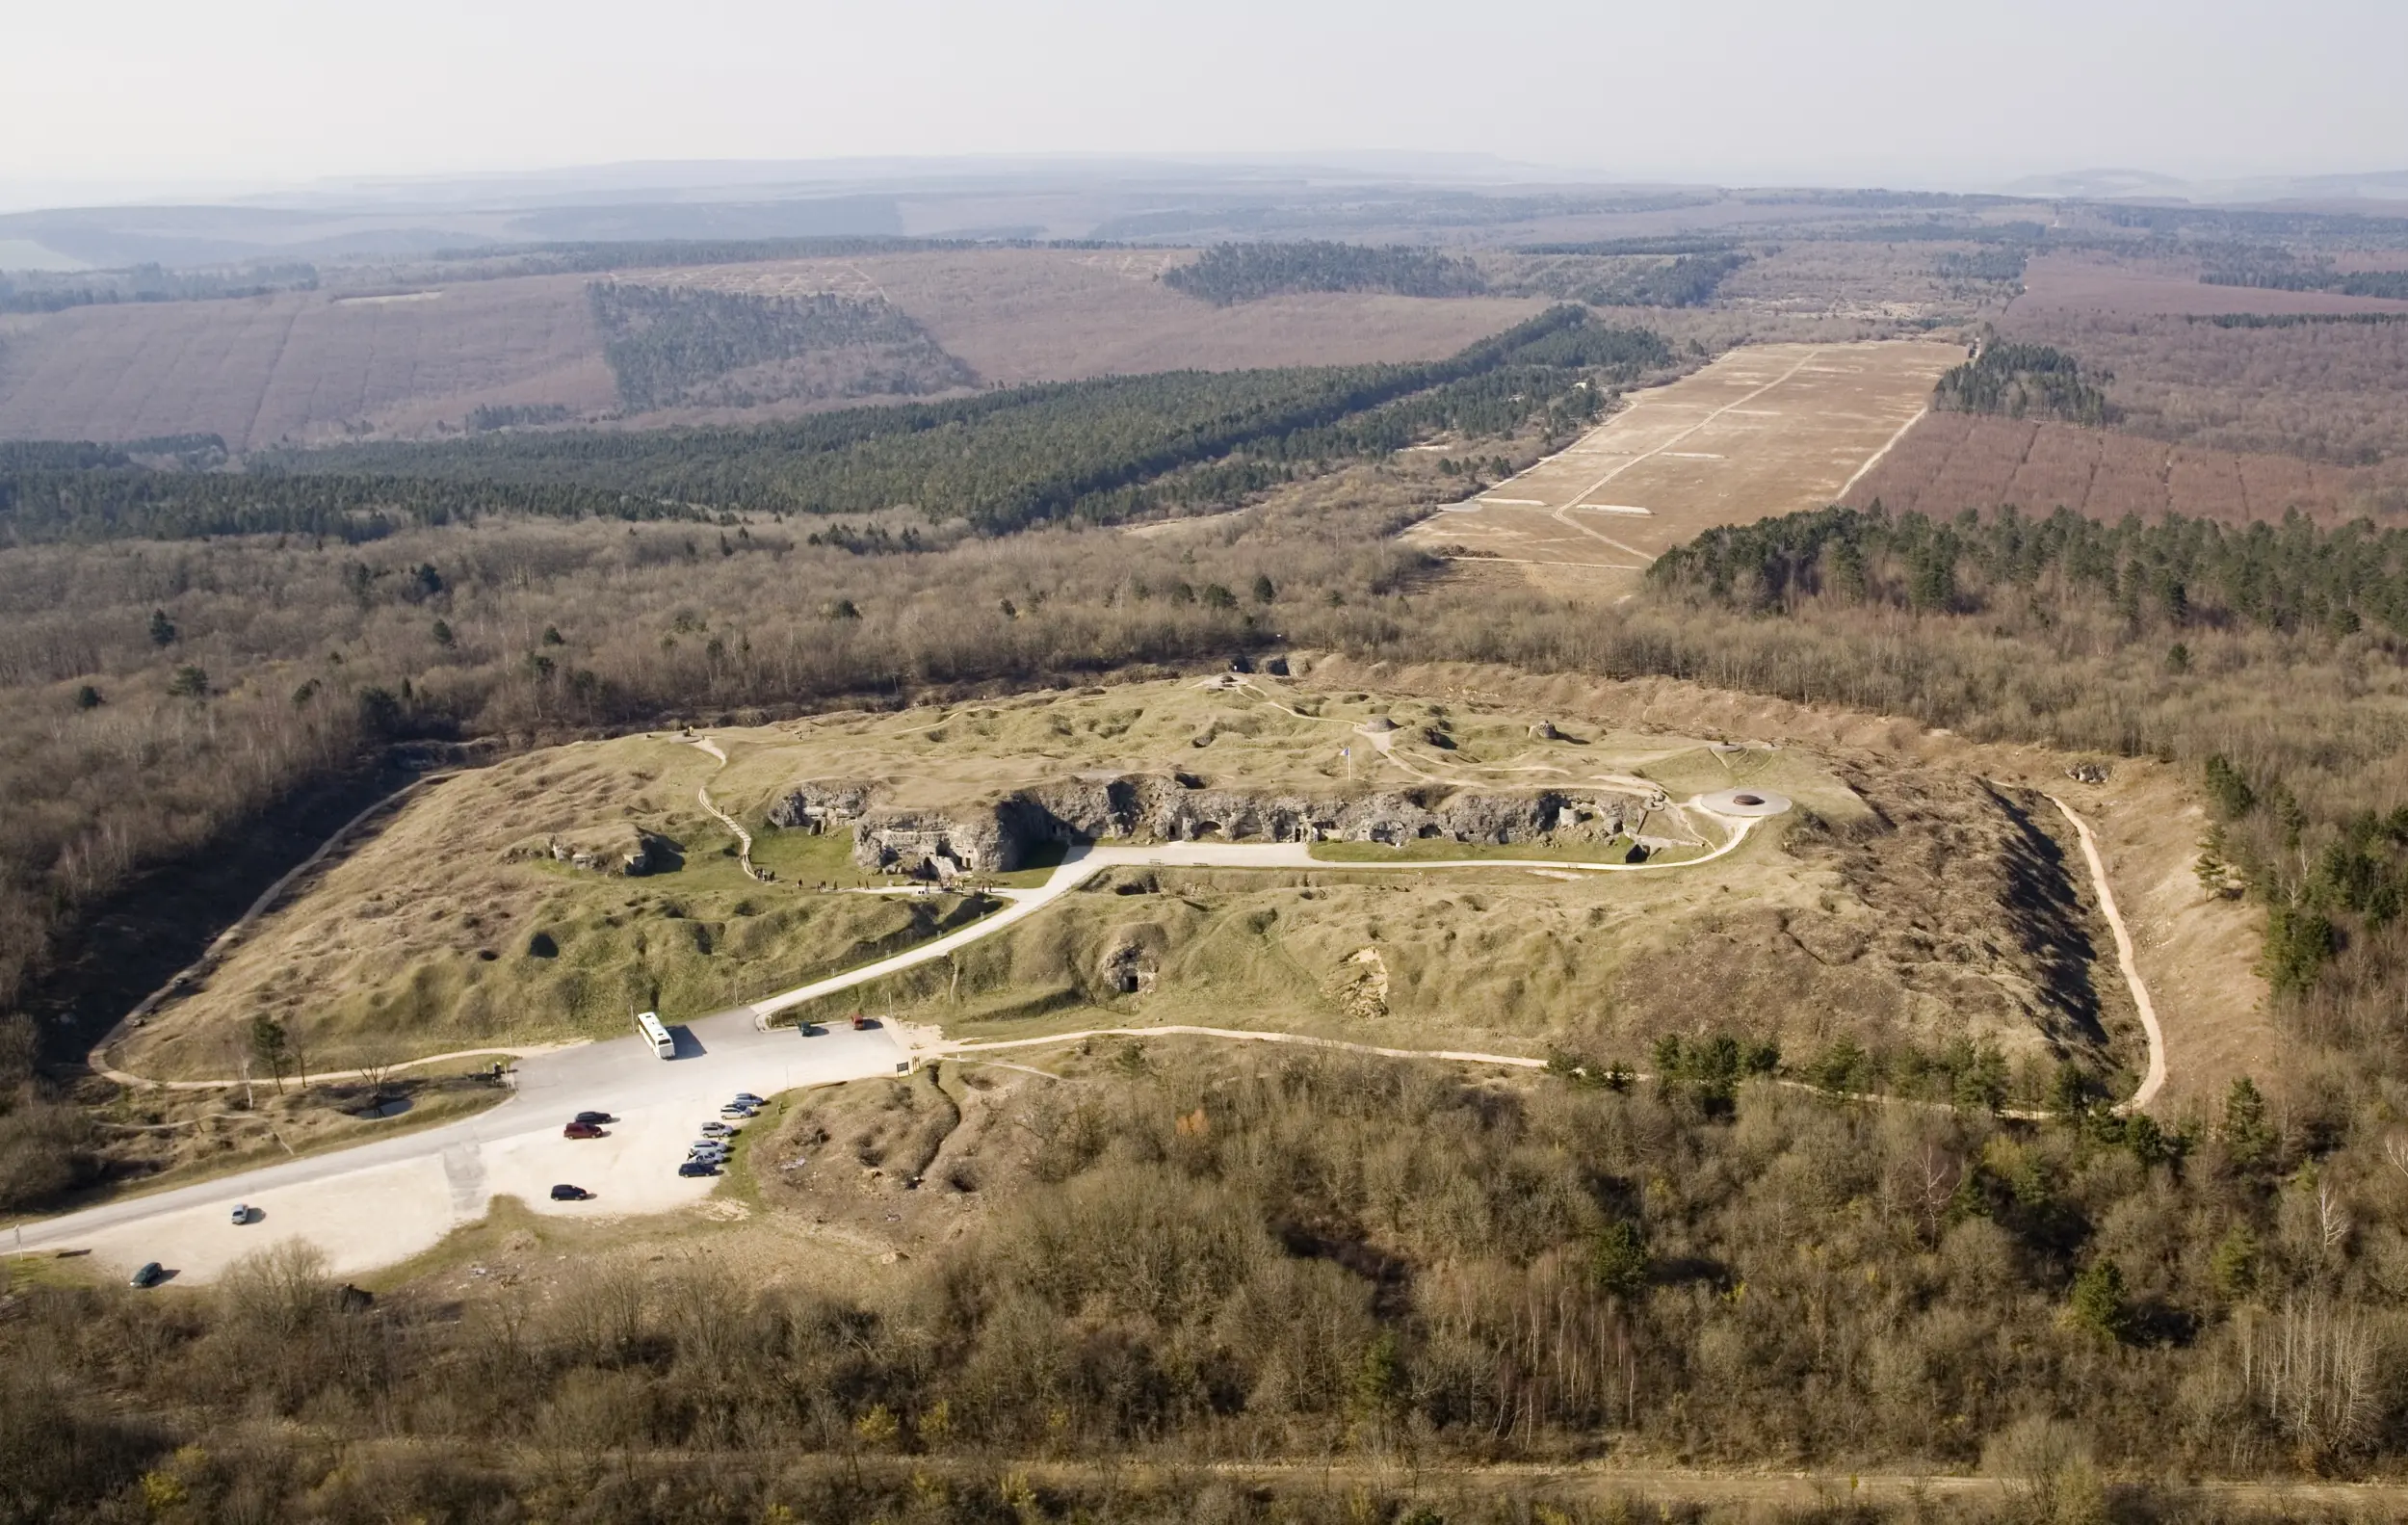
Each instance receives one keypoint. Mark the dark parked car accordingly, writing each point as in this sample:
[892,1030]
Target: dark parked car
[581,1130]
[149,1275]
[747,1098]
[697,1168]
[569,1193]
[595,1117]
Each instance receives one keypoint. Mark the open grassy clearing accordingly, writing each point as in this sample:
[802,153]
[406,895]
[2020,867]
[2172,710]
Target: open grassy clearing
[454,927]
[1899,907]
[1763,430]
[457,925]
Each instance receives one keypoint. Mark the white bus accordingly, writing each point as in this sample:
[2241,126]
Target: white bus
[648,1023]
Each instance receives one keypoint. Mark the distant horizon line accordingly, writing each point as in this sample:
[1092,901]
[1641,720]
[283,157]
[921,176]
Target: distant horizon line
[858,173]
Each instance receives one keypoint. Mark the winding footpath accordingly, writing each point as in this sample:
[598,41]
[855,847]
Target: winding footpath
[702,796]
[2154,1080]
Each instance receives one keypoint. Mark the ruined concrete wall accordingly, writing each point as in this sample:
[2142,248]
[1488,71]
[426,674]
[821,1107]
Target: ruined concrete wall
[997,836]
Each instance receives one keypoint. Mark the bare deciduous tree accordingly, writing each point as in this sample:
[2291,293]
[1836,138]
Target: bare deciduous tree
[376,1067]
[2332,1218]
[2313,1368]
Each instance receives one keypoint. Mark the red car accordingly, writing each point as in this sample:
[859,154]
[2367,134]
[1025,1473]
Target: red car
[581,1130]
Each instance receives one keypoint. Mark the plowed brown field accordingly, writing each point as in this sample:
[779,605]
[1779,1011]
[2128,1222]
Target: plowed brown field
[301,366]
[2077,283]
[1021,315]
[312,367]
[1953,461]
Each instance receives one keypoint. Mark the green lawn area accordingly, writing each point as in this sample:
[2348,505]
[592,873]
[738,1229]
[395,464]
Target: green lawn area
[810,857]
[814,857]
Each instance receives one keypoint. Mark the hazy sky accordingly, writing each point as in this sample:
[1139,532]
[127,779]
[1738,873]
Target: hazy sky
[1901,92]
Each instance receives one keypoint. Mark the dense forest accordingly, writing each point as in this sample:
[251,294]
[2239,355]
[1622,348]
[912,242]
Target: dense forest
[1998,263]
[668,345]
[601,257]
[2298,319]
[2023,381]
[117,497]
[1624,273]
[1688,281]
[1615,248]
[1227,274]
[2178,573]
[2276,270]
[487,417]
[43,291]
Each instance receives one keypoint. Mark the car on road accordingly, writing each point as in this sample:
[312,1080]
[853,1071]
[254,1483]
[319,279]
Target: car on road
[710,1147]
[747,1098]
[581,1130]
[566,1192]
[698,1168]
[242,1214]
[596,1117]
[718,1130]
[150,1275]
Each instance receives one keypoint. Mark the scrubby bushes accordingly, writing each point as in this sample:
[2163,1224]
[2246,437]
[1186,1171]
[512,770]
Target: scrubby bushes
[1216,1258]
[46,1146]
